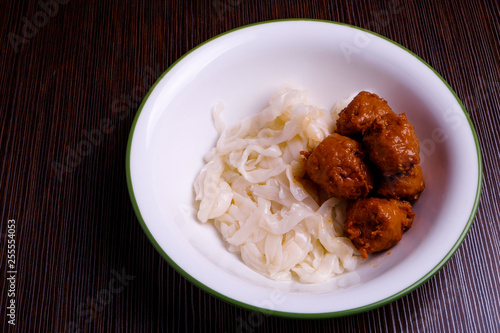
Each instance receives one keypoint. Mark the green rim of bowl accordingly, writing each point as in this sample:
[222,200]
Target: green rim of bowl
[294,314]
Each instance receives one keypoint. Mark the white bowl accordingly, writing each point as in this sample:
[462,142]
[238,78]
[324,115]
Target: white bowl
[173,130]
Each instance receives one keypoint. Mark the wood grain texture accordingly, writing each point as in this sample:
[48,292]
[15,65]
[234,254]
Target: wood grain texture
[76,229]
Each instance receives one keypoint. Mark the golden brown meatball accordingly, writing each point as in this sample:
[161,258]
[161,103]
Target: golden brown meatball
[337,166]
[375,224]
[405,185]
[392,144]
[360,113]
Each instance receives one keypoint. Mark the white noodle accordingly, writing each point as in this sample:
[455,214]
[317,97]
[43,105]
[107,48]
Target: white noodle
[249,188]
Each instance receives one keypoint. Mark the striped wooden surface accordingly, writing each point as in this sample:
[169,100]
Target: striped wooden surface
[83,262]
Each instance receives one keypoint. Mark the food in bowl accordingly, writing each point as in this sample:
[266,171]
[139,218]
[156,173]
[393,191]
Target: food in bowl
[390,142]
[358,116]
[406,185]
[338,165]
[377,224]
[253,189]
[277,185]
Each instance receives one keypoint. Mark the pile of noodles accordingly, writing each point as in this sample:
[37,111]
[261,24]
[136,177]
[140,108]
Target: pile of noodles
[251,191]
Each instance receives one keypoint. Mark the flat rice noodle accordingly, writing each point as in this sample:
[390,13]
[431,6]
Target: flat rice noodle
[249,187]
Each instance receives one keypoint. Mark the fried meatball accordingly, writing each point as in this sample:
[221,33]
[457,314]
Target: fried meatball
[337,165]
[405,185]
[360,113]
[376,224]
[392,144]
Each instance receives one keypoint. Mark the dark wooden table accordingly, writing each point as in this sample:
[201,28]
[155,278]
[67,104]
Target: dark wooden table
[83,263]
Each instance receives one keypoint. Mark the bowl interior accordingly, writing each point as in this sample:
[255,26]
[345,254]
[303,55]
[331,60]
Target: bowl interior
[174,130]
